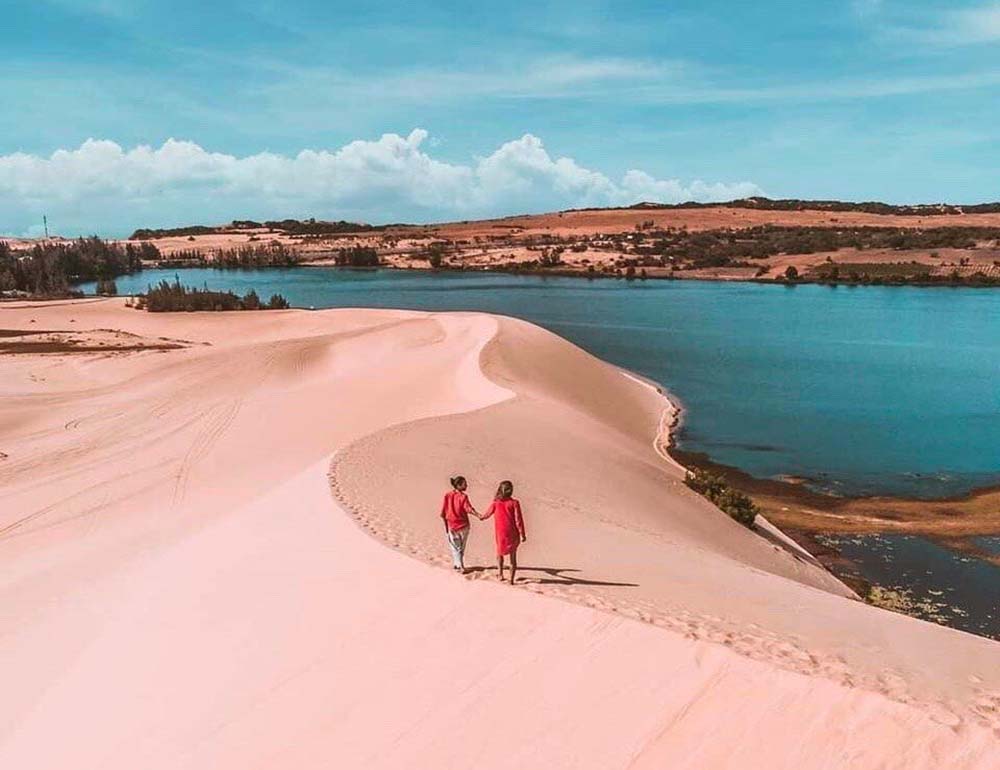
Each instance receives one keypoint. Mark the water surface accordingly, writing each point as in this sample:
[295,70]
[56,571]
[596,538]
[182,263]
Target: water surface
[935,582]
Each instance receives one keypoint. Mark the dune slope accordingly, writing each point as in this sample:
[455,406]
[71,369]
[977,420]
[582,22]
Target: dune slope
[180,588]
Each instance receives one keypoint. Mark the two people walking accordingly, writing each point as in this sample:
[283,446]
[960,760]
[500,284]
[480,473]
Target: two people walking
[508,524]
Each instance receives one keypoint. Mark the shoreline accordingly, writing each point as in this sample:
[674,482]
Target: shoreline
[795,509]
[799,493]
[806,515]
[655,274]
[650,276]
[816,541]
[863,514]
[670,423]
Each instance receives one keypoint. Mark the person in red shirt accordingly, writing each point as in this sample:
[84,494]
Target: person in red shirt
[455,512]
[508,526]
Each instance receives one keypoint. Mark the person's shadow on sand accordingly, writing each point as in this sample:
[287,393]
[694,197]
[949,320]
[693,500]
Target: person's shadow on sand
[557,576]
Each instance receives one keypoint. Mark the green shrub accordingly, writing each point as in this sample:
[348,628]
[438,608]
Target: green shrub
[49,269]
[169,297]
[435,253]
[357,256]
[251,301]
[728,246]
[733,502]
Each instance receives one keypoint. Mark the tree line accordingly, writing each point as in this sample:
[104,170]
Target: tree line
[866,207]
[289,226]
[273,254]
[168,297]
[718,248]
[51,269]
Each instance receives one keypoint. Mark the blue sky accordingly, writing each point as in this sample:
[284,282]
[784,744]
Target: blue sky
[454,109]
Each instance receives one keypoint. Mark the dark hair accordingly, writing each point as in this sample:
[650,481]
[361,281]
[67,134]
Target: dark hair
[457,481]
[505,490]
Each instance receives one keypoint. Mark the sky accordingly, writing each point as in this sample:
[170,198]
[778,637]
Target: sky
[116,115]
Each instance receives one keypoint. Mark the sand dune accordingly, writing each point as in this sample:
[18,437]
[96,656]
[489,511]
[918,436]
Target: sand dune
[181,588]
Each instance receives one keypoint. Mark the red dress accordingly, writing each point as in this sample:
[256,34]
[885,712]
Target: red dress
[508,524]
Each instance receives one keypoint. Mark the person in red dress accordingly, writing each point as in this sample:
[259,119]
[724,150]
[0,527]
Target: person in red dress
[455,512]
[508,526]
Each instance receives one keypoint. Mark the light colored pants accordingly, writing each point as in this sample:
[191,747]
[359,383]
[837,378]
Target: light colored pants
[457,541]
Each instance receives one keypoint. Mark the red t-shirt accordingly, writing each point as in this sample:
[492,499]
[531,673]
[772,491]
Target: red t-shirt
[455,510]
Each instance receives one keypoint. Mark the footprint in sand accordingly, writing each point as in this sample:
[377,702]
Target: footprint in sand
[943,715]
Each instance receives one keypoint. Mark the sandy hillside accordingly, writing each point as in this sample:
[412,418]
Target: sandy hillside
[185,583]
[586,221]
[609,240]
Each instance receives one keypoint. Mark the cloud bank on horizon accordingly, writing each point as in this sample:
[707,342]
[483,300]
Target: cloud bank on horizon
[104,188]
[892,100]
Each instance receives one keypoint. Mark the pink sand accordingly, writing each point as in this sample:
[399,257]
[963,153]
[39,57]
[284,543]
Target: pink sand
[181,590]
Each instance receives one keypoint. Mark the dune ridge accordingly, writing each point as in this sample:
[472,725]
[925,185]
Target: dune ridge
[664,523]
[180,588]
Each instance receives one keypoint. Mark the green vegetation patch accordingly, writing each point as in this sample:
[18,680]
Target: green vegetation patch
[903,601]
[289,226]
[862,271]
[867,207]
[732,247]
[241,257]
[738,505]
[48,269]
[174,297]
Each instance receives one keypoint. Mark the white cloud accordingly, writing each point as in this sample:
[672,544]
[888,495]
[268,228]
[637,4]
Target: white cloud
[562,77]
[101,187]
[973,25]
[960,26]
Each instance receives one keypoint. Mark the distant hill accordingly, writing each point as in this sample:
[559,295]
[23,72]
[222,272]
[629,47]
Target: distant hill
[317,227]
[286,226]
[750,239]
[795,204]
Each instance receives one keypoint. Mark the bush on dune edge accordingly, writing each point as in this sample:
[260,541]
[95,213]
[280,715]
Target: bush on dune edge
[733,502]
[168,297]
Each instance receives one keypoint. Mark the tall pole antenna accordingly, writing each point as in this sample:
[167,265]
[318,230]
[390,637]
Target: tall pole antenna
[45,222]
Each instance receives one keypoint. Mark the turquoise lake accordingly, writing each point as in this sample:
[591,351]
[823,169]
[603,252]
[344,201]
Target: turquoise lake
[892,390]
[860,390]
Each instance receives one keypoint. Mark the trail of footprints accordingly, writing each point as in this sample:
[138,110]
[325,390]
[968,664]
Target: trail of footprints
[751,641]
